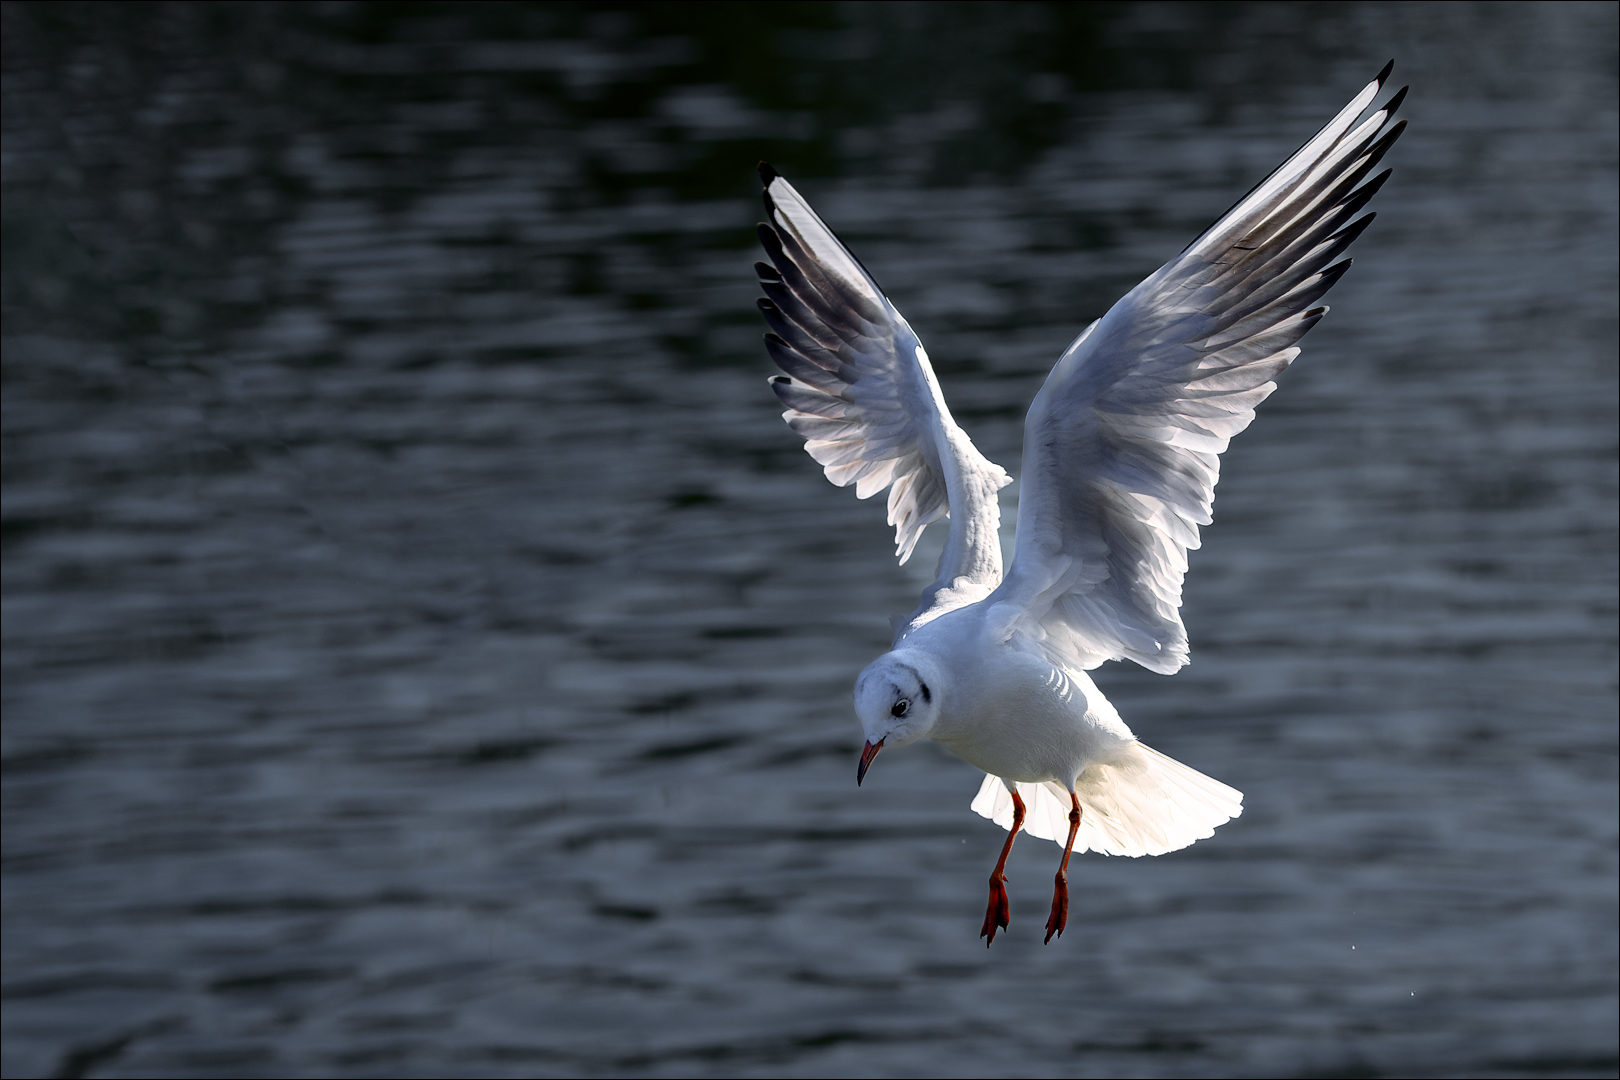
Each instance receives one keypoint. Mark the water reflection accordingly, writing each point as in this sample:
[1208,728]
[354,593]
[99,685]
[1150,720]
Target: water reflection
[427,652]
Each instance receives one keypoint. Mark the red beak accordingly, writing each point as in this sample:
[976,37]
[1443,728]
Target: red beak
[868,752]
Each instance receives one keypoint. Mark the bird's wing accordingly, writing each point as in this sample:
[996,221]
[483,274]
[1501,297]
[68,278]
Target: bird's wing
[1121,444]
[860,390]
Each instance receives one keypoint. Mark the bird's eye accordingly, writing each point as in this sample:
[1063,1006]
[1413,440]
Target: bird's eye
[900,707]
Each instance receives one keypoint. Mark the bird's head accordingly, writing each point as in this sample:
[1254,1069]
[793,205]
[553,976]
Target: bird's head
[897,699]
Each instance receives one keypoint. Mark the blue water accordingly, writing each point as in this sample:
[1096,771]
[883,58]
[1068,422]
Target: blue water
[427,653]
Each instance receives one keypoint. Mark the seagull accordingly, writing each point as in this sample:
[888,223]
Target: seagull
[1120,462]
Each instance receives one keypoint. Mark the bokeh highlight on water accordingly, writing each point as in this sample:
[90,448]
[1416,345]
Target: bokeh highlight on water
[427,653]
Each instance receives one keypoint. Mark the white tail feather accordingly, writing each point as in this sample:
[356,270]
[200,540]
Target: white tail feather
[1143,803]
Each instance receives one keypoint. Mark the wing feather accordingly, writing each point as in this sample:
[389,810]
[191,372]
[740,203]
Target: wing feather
[1121,445]
[858,386]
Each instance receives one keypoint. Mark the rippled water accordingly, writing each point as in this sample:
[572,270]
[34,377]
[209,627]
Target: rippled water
[427,653]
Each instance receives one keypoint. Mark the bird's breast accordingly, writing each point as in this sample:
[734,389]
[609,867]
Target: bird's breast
[1020,718]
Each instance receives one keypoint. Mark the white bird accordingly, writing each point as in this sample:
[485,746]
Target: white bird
[1119,471]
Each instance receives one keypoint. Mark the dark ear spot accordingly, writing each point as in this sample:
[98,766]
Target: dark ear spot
[926,695]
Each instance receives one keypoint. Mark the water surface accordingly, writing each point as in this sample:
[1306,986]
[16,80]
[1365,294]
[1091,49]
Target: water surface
[427,653]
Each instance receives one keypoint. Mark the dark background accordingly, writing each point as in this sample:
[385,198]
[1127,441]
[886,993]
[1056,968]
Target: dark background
[426,652]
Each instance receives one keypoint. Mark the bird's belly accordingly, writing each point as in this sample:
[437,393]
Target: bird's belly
[1020,768]
[1035,749]
[1051,727]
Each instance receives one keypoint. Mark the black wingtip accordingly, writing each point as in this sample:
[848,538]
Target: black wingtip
[1349,233]
[767,174]
[1382,75]
[1395,102]
[1353,202]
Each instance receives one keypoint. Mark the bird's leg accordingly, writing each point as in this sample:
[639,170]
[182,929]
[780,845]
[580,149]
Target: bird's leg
[995,914]
[1060,884]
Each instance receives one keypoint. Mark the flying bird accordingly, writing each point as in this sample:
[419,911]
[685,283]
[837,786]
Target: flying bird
[1120,462]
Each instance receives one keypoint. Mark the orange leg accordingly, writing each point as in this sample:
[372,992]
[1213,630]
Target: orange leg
[996,913]
[1060,884]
